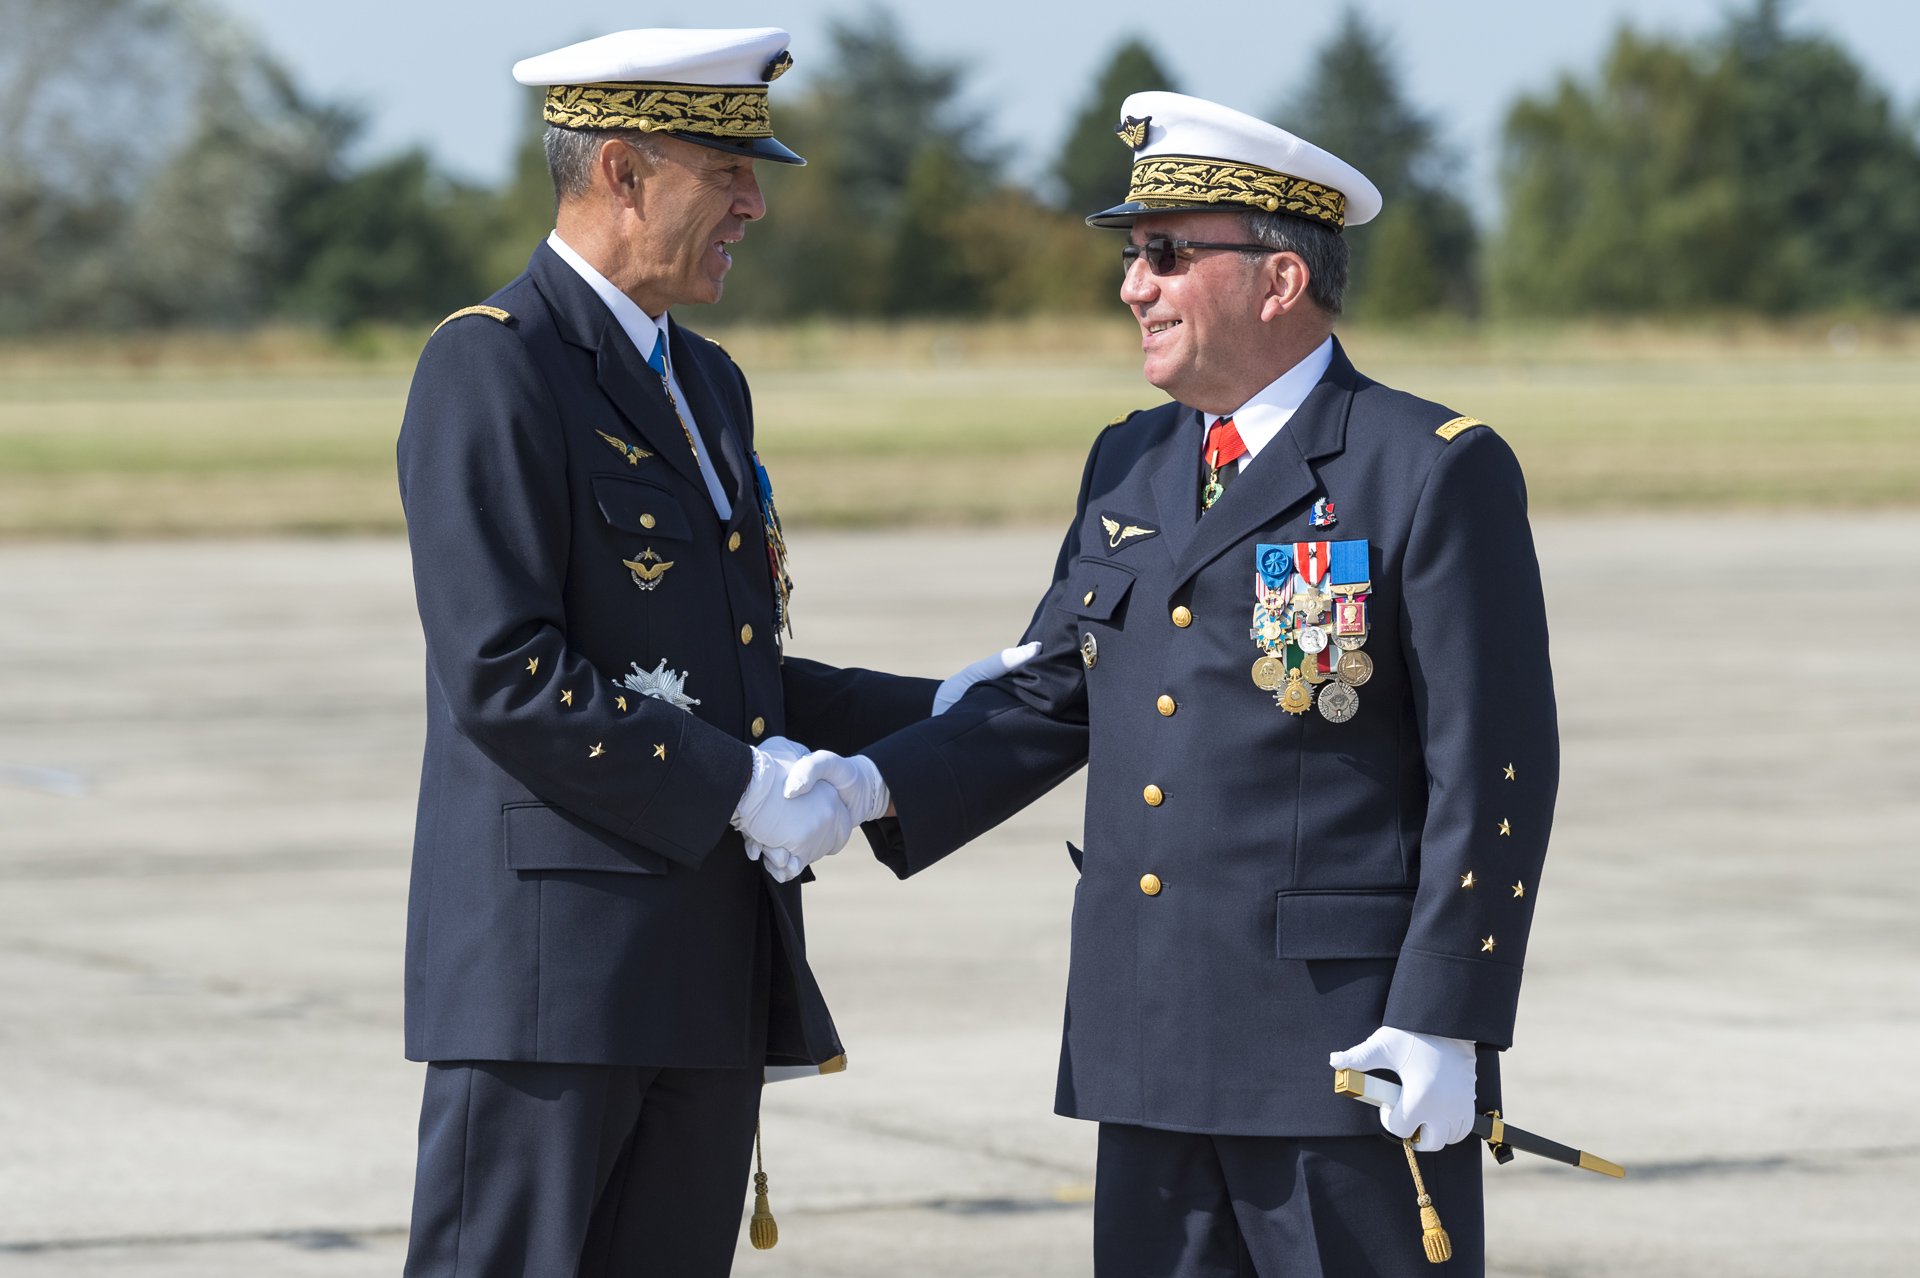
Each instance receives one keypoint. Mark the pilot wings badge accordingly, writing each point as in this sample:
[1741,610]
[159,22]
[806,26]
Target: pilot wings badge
[648,569]
[1121,529]
[632,452]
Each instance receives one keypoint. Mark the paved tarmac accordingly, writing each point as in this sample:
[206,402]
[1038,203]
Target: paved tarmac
[200,1070]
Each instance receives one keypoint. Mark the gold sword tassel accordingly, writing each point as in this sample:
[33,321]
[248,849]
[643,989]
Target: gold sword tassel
[762,1230]
[1433,1235]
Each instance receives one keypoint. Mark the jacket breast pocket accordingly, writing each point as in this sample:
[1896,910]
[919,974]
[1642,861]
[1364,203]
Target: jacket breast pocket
[1342,924]
[540,837]
[640,506]
[1095,590]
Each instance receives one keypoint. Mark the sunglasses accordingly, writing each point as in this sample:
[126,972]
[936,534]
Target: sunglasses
[1162,252]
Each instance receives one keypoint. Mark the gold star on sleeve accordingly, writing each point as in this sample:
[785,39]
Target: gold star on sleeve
[599,748]
[566,696]
[1466,880]
[1486,945]
[1509,772]
[660,751]
[1504,827]
[1519,890]
[533,665]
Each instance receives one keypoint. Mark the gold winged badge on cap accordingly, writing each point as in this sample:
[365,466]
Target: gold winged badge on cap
[1133,131]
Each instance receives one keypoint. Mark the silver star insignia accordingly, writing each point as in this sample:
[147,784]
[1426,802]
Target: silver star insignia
[661,684]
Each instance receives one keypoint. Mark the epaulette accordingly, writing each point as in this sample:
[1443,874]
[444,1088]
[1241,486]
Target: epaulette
[491,312]
[1448,430]
[1124,417]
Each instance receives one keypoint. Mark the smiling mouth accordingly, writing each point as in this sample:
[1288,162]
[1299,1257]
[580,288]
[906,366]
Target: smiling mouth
[1154,330]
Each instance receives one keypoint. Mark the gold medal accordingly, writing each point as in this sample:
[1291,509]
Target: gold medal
[1310,670]
[1269,673]
[1355,668]
[1294,698]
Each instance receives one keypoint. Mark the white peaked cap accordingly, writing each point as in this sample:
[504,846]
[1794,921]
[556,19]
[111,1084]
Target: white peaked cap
[1192,155]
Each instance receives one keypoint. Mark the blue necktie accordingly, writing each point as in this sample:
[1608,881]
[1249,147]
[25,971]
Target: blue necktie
[658,360]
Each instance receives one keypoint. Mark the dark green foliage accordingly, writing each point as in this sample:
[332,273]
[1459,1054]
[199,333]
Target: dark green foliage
[1755,171]
[1419,255]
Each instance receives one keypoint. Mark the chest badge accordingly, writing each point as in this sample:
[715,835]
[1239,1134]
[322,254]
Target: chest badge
[648,569]
[632,452]
[1310,622]
[1323,516]
[1089,651]
[1123,530]
[661,684]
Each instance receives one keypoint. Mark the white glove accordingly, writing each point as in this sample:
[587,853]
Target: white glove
[788,834]
[1005,661]
[854,777]
[778,861]
[1436,1083]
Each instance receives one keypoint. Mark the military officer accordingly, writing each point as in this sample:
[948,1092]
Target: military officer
[1296,632]
[596,971]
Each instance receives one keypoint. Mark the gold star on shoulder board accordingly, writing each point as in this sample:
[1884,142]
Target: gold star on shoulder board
[1508,772]
[566,696]
[1504,827]
[1519,890]
[1486,945]
[599,748]
[1466,880]
[660,751]
[533,665]
[620,703]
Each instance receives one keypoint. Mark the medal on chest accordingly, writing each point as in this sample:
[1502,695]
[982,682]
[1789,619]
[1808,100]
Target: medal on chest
[776,552]
[1310,624]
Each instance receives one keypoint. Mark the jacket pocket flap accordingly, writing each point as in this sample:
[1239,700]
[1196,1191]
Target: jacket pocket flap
[1342,925]
[539,837]
[1095,588]
[640,506]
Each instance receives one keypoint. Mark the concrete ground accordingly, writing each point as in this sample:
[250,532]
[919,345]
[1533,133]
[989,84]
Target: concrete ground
[200,1067]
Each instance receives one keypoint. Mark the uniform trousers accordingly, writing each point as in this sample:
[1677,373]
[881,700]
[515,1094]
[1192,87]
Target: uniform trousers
[581,1171]
[1185,1205]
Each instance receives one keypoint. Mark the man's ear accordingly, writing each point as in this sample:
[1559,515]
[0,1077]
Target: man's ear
[622,168]
[1287,277]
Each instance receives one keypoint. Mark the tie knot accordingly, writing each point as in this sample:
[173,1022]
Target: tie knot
[657,359]
[1224,444]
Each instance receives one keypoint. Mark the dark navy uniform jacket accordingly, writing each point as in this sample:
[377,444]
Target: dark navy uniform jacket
[578,895]
[1309,878]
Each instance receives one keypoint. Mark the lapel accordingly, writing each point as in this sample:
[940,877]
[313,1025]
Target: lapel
[716,423]
[583,320]
[1174,467]
[1281,476]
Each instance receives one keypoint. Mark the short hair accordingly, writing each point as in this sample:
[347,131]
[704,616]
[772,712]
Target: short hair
[1323,249]
[571,154]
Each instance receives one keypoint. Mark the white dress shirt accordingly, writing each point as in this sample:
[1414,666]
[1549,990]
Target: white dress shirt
[644,331]
[1273,406]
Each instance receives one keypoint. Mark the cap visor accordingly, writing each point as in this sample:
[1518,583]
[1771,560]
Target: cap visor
[1121,216]
[759,148]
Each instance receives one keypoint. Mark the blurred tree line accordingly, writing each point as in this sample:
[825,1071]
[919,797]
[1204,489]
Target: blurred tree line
[157,168]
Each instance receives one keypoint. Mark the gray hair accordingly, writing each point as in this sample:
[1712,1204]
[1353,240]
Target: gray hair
[1323,249]
[572,153]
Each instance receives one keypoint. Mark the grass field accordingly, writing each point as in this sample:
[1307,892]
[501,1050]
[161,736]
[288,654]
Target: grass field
[955,424]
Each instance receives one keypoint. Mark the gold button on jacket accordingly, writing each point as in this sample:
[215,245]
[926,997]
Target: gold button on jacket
[1182,616]
[1150,884]
[759,726]
[733,542]
[648,521]
[1165,705]
[746,634]
[1153,796]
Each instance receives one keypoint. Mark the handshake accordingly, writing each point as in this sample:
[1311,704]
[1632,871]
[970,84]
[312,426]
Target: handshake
[801,805]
